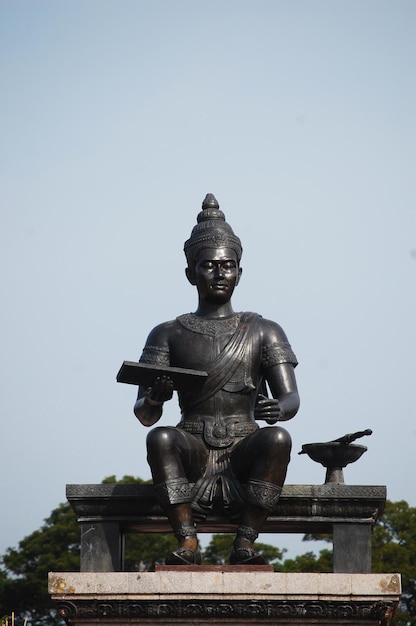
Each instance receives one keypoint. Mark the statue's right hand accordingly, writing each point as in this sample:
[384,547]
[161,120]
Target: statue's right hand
[160,391]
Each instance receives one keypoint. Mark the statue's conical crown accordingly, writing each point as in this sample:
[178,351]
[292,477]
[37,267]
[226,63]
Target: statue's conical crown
[211,231]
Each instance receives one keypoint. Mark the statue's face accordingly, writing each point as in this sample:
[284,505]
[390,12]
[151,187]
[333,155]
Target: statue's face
[215,274]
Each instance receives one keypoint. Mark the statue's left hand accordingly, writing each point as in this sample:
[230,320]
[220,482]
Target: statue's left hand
[268,409]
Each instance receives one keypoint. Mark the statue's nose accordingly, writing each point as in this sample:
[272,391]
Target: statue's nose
[219,270]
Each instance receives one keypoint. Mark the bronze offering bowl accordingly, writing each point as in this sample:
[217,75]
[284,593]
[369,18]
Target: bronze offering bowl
[336,454]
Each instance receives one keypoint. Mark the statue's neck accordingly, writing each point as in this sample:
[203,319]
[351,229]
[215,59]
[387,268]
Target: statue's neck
[210,310]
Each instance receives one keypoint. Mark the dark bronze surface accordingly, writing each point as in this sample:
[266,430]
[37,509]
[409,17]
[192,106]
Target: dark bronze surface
[234,467]
[336,454]
[144,374]
[300,509]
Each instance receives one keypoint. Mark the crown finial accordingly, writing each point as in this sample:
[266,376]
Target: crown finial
[210,202]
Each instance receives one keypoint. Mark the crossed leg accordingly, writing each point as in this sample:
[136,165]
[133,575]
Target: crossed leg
[177,458]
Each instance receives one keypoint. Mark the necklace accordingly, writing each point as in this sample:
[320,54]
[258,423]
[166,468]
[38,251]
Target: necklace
[212,327]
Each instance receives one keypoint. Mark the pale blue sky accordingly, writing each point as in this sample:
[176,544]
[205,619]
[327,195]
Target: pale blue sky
[116,119]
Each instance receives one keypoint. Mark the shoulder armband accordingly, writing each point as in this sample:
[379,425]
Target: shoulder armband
[155,356]
[278,352]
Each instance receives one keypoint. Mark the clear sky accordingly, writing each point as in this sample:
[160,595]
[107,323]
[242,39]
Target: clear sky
[116,119]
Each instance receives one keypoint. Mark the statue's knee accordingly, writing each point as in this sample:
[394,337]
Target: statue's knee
[159,440]
[278,439]
[284,438]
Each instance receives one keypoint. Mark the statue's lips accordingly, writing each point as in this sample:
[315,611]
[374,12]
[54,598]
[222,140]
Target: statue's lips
[219,286]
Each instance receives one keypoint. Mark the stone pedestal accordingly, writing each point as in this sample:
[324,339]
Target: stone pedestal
[348,512]
[224,595]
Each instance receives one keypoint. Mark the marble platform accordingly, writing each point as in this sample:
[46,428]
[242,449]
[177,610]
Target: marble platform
[224,595]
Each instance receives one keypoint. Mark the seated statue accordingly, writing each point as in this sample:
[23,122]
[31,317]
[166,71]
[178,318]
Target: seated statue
[217,459]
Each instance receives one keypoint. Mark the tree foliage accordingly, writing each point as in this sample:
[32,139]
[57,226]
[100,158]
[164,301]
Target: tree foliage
[393,550]
[56,547]
[307,562]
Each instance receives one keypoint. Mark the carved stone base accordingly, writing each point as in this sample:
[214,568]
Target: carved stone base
[228,597]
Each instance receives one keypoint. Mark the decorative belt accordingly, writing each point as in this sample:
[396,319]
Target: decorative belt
[218,435]
[197,428]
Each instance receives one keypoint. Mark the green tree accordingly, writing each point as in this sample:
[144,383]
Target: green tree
[393,549]
[307,562]
[56,547]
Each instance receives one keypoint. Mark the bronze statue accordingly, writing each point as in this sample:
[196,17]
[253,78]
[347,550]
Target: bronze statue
[217,458]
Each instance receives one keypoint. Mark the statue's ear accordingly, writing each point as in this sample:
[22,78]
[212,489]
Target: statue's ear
[190,275]
[240,271]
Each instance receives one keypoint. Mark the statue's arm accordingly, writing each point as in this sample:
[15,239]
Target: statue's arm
[285,402]
[149,404]
[278,365]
